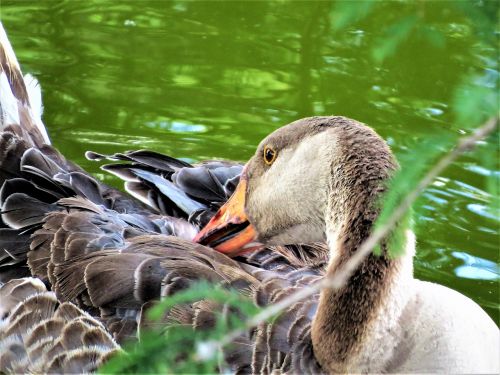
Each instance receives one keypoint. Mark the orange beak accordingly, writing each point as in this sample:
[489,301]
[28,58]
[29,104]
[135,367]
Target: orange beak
[229,231]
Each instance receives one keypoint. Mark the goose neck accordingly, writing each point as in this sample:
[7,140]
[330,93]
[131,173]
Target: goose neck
[349,316]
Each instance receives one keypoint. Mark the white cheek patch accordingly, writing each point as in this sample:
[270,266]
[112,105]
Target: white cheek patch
[289,198]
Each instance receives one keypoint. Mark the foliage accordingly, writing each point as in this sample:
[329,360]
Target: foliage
[178,348]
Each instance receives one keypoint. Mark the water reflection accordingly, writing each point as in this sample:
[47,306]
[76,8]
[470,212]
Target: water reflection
[476,268]
[176,126]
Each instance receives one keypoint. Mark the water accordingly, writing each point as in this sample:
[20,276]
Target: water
[200,80]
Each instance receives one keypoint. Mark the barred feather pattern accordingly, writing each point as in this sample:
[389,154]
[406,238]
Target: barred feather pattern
[151,268]
[41,335]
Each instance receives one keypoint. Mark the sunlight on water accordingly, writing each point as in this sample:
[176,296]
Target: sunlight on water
[476,268]
[177,126]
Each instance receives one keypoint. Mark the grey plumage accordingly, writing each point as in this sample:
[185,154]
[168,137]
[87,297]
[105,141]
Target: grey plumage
[107,257]
[174,187]
[40,334]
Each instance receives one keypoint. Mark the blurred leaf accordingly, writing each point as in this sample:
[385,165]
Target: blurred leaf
[475,101]
[394,36]
[484,15]
[413,165]
[489,157]
[347,12]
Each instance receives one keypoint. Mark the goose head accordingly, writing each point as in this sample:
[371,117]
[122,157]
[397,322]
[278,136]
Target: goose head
[317,179]
[308,181]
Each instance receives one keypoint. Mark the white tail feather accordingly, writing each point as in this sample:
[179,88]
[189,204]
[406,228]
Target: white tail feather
[10,106]
[9,113]
[35,97]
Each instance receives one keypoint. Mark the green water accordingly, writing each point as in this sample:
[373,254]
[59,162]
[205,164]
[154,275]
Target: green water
[210,79]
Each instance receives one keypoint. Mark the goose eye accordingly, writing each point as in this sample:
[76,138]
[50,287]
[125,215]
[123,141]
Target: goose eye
[269,155]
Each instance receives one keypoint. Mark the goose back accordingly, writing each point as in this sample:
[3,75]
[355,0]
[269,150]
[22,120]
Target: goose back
[85,260]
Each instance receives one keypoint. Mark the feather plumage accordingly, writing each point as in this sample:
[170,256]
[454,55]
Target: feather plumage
[41,335]
[108,258]
[174,187]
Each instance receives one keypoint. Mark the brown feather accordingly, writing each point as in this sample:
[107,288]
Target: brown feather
[105,253]
[48,329]
[38,332]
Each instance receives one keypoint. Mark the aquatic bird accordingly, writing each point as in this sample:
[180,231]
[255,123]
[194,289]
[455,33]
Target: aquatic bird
[78,235]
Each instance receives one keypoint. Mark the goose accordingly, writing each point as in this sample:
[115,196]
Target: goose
[76,234]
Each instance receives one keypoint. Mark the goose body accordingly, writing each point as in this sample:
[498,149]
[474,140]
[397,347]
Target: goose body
[448,331]
[63,229]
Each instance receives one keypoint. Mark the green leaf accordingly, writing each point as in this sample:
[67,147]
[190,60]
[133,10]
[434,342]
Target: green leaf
[178,348]
[346,13]
[475,101]
[414,165]
[394,36]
